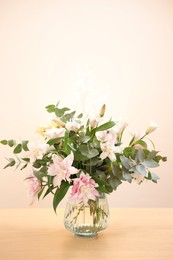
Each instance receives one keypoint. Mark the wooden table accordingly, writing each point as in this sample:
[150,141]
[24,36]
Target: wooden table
[39,234]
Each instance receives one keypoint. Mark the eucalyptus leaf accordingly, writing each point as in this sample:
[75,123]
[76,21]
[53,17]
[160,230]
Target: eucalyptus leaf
[140,169]
[114,182]
[24,145]
[85,139]
[17,149]
[88,152]
[152,154]
[149,163]
[126,176]
[80,115]
[36,164]
[4,142]
[50,108]
[140,156]
[68,116]
[116,170]
[126,162]
[154,177]
[11,163]
[11,143]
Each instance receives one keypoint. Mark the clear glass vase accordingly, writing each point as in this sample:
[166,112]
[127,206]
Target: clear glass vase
[89,219]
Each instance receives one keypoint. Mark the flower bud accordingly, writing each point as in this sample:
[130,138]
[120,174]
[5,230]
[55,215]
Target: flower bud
[102,111]
[152,126]
[58,122]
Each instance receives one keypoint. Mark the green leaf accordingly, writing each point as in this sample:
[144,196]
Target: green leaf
[80,157]
[49,190]
[50,108]
[105,126]
[60,111]
[152,154]
[116,170]
[68,116]
[85,139]
[126,176]
[140,169]
[109,188]
[126,162]
[104,189]
[142,143]
[24,166]
[36,164]
[4,142]
[129,151]
[60,193]
[24,145]
[101,175]
[88,152]
[154,177]
[114,182]
[40,192]
[39,175]
[25,159]
[149,176]
[17,149]
[140,156]
[66,147]
[99,181]
[80,115]
[11,163]
[149,163]
[54,140]
[11,143]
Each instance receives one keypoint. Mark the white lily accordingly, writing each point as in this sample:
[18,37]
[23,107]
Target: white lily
[152,127]
[55,132]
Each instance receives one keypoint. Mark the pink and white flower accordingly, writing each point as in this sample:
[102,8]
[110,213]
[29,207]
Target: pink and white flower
[94,121]
[72,126]
[33,186]
[84,189]
[55,132]
[108,150]
[61,169]
[37,150]
[107,136]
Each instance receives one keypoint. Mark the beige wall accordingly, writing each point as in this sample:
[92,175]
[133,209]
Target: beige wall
[128,45]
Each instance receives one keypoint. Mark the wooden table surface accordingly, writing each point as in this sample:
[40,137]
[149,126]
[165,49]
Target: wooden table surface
[39,234]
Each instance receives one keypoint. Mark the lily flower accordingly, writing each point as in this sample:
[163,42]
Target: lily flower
[151,128]
[84,189]
[61,169]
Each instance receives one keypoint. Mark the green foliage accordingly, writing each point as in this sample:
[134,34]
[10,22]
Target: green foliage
[11,163]
[17,149]
[60,193]
[88,151]
[105,126]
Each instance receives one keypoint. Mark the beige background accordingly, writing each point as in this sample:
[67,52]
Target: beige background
[46,46]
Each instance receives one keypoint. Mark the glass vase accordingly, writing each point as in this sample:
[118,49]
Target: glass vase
[87,219]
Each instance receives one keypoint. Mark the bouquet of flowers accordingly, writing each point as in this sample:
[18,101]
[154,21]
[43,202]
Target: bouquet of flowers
[84,153]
